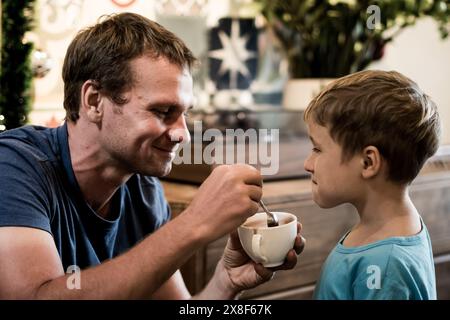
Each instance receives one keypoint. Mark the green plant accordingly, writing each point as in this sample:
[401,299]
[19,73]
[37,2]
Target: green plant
[16,74]
[332,38]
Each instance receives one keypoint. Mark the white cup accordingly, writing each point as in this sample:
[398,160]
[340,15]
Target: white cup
[268,246]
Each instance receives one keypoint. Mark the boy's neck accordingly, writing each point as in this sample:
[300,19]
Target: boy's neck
[384,214]
[384,205]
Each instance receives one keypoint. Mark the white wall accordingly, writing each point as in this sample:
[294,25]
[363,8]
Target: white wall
[420,54]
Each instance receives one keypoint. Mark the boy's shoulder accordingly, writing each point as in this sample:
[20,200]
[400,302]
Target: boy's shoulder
[392,268]
[389,255]
[402,271]
[366,259]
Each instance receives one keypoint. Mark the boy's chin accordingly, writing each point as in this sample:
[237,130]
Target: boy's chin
[325,204]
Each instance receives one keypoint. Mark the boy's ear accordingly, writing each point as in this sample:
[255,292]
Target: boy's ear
[91,101]
[371,162]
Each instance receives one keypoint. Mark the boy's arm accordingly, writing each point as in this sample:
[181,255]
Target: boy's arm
[389,290]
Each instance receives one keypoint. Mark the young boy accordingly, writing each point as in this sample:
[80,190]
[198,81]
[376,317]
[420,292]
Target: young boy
[371,132]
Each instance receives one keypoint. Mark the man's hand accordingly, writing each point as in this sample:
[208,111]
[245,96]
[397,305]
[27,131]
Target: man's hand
[224,201]
[243,273]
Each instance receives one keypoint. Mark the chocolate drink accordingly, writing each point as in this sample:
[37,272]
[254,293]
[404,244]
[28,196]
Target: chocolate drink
[263,223]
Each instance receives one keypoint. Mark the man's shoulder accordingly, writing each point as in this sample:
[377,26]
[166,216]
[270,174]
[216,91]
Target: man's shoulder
[26,132]
[28,143]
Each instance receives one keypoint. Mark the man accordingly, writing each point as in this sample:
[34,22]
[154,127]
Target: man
[84,194]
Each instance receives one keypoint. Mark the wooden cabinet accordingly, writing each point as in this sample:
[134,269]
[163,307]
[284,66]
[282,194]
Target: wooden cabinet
[323,228]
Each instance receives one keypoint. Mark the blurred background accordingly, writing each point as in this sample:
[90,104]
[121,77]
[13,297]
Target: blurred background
[276,49]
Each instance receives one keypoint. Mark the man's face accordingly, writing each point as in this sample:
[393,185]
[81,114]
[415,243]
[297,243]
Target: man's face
[333,182]
[142,135]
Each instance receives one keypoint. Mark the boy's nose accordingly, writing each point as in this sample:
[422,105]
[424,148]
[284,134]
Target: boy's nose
[308,165]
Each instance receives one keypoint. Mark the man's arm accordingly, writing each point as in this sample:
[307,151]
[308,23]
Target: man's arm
[173,289]
[31,260]
[234,272]
[32,269]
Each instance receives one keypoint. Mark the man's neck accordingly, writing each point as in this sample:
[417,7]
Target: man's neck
[98,176]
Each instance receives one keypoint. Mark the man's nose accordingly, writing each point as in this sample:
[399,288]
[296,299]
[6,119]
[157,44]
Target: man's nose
[178,131]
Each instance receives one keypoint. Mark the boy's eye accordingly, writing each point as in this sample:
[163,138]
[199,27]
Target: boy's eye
[315,150]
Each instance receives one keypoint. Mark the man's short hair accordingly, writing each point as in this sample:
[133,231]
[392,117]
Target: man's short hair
[102,53]
[383,109]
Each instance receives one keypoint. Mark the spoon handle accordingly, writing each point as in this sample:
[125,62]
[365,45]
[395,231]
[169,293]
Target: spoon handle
[264,207]
[272,219]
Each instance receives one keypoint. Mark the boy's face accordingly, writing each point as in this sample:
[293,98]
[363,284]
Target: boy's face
[333,182]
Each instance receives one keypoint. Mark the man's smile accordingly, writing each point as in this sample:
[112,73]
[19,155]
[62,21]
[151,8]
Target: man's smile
[167,150]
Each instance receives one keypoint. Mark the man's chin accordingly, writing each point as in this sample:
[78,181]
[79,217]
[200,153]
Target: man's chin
[160,171]
[166,171]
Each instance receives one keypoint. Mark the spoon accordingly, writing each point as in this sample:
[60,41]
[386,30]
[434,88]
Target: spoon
[272,219]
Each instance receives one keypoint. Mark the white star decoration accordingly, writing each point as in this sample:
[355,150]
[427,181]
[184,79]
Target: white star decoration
[233,54]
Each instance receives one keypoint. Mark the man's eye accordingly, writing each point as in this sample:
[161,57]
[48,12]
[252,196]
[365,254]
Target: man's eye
[160,113]
[186,114]
[315,150]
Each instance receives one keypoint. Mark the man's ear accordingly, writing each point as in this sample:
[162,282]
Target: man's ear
[371,162]
[91,101]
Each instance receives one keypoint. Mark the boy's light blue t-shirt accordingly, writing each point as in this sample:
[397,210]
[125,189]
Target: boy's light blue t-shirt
[397,268]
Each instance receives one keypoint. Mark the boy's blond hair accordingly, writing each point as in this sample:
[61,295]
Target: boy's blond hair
[383,109]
